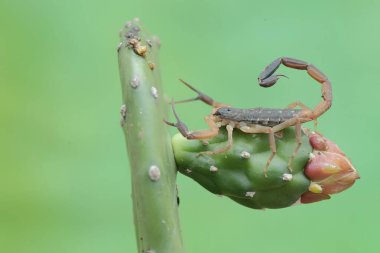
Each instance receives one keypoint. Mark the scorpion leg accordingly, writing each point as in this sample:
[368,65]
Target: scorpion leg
[201,96]
[304,107]
[230,129]
[190,135]
[299,142]
[272,140]
[291,122]
[272,145]
[300,104]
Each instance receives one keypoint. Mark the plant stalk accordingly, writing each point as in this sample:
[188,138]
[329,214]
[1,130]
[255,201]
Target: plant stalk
[153,171]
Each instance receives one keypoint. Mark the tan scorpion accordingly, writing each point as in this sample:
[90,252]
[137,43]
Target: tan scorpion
[259,120]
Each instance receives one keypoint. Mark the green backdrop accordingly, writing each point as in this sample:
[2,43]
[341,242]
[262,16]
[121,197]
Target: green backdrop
[64,175]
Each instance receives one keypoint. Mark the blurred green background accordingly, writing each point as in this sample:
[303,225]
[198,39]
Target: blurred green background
[64,175]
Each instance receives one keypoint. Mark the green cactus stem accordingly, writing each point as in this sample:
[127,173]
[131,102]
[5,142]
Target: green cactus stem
[153,171]
[319,168]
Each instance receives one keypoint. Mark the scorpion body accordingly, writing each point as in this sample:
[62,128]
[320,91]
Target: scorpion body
[260,120]
[255,116]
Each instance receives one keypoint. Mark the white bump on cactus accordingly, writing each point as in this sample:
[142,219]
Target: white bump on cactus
[154,173]
[250,194]
[213,168]
[245,154]
[154,92]
[287,177]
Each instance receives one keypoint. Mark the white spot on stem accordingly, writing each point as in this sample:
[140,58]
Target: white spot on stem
[213,168]
[135,82]
[154,173]
[250,194]
[245,155]
[154,92]
[287,177]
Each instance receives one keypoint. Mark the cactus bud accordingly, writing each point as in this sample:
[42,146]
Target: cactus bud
[320,168]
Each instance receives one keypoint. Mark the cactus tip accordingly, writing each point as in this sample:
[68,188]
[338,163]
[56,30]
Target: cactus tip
[141,50]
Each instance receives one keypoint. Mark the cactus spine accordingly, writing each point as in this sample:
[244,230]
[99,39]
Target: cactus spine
[153,170]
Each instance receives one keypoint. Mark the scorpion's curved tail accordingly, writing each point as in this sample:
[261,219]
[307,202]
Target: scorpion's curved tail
[267,79]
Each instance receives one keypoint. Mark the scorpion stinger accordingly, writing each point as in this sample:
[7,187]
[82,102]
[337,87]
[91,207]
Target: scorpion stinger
[270,81]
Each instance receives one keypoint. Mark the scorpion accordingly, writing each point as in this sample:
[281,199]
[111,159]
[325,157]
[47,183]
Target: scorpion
[259,120]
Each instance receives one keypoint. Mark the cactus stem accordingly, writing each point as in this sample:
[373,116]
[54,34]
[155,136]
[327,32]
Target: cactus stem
[152,165]
[311,156]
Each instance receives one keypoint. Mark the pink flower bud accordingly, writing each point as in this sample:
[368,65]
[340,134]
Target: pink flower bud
[328,168]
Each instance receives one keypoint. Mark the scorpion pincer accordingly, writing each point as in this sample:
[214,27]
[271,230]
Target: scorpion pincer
[260,120]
